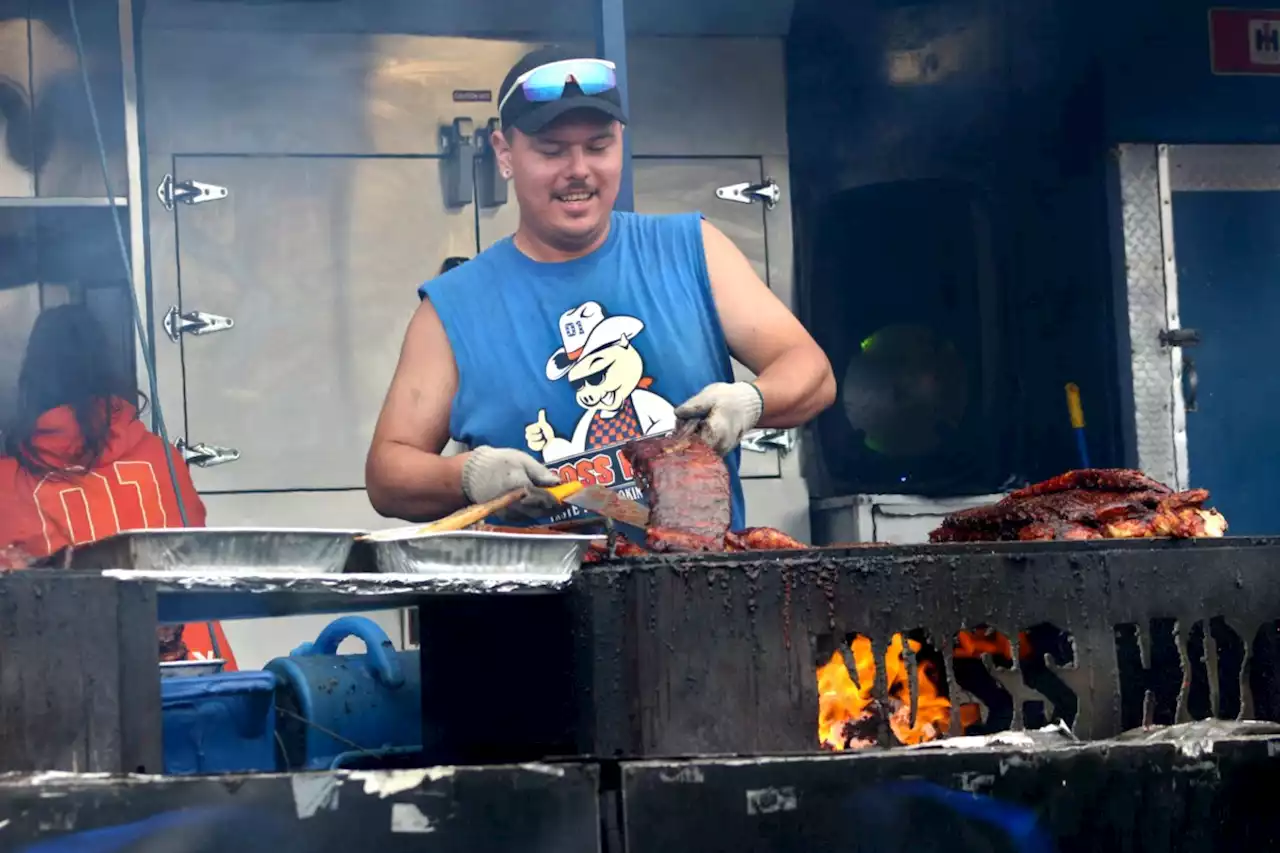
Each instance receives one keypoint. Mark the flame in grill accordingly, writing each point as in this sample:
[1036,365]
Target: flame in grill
[847,712]
[849,716]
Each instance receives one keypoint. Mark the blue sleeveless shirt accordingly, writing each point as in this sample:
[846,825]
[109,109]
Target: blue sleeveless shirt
[570,361]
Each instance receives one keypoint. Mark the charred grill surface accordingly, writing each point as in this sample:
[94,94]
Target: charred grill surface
[718,653]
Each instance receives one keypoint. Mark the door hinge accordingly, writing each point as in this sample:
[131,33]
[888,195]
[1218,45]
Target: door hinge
[746,193]
[206,455]
[766,440]
[187,192]
[193,323]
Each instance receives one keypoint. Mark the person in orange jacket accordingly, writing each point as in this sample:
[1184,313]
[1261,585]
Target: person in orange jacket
[79,466]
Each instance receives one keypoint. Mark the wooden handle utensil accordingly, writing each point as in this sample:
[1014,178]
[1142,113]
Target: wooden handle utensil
[459,520]
[468,516]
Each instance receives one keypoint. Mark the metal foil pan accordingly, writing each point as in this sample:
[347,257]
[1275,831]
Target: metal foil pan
[485,556]
[189,668]
[220,550]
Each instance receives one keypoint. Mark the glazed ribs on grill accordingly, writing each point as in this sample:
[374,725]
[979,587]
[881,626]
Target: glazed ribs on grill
[686,486]
[1096,503]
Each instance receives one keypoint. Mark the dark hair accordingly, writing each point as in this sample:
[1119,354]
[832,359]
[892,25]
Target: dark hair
[68,363]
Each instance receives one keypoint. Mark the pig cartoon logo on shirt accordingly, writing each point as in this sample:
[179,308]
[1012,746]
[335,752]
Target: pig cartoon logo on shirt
[606,372]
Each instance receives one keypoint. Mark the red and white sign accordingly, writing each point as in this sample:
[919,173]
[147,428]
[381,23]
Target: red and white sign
[1244,41]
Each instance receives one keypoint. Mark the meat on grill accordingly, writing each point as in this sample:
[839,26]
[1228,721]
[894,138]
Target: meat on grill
[686,486]
[751,539]
[1107,503]
[1095,479]
[761,539]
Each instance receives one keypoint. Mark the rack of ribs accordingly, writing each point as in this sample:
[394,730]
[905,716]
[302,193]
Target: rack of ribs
[686,486]
[1098,503]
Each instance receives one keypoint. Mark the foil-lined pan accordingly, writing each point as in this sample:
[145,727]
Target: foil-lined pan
[217,550]
[492,557]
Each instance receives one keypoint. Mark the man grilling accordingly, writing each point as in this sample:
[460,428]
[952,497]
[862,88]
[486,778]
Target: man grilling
[474,364]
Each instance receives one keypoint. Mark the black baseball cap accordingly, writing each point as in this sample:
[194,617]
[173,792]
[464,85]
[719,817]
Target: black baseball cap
[531,116]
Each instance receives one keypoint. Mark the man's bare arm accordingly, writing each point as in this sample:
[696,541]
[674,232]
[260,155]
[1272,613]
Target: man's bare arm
[405,475]
[793,373]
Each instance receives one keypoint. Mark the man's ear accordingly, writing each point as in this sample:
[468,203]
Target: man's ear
[502,147]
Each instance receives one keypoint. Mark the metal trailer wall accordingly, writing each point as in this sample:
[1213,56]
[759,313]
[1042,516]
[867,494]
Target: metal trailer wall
[1195,231]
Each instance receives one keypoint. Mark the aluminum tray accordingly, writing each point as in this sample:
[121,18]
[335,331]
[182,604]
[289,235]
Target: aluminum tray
[220,550]
[485,556]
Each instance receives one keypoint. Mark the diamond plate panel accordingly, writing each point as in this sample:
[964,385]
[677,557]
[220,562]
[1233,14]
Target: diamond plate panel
[1208,168]
[1153,380]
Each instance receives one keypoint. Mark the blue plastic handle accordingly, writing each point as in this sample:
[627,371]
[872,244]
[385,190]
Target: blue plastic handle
[378,649]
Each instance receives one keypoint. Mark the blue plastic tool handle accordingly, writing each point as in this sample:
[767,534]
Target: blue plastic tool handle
[378,649]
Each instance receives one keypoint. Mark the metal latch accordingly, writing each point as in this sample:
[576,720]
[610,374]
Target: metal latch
[1179,337]
[206,455]
[458,147]
[1185,338]
[748,193]
[491,187]
[187,192]
[193,323]
[765,440]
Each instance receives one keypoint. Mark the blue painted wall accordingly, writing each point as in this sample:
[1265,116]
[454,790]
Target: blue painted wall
[1159,86]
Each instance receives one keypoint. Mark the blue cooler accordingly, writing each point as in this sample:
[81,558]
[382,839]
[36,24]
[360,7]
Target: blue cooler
[334,708]
[219,723]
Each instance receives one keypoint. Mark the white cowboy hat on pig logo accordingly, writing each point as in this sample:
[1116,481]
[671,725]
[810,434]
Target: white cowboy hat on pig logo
[585,330]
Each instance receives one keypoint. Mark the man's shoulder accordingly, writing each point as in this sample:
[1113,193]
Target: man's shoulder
[658,224]
[468,276]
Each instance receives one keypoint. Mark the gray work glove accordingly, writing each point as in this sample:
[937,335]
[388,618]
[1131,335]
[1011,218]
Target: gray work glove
[727,411]
[493,471]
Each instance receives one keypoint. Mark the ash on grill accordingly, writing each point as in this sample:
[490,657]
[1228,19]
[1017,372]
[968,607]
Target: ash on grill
[1106,503]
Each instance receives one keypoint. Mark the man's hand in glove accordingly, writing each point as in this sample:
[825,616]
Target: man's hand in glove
[727,411]
[491,471]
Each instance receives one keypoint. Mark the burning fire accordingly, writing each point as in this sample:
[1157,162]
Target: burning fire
[848,714]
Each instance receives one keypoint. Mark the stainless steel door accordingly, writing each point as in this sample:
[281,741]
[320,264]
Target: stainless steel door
[673,185]
[315,260]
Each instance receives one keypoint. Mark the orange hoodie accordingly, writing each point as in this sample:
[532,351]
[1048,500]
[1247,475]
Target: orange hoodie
[128,489]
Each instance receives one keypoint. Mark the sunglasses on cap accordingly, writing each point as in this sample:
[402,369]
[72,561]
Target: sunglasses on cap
[547,82]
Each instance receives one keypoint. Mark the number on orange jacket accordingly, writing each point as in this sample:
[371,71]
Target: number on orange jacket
[125,496]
